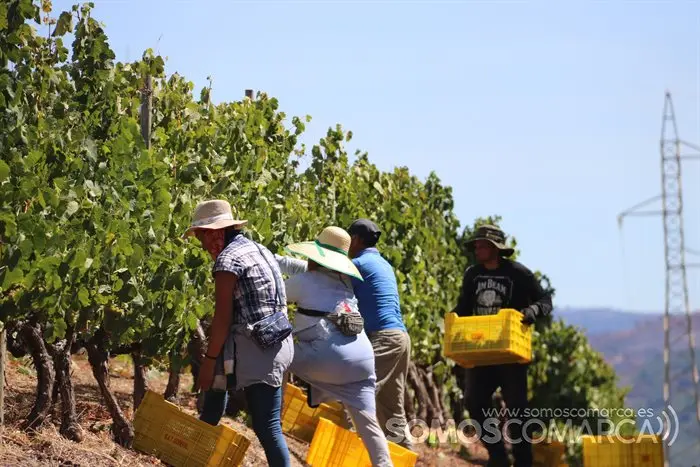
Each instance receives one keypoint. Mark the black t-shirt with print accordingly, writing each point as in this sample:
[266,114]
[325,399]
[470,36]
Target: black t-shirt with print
[511,285]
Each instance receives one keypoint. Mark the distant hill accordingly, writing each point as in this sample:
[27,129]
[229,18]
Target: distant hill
[637,353]
[633,344]
[601,320]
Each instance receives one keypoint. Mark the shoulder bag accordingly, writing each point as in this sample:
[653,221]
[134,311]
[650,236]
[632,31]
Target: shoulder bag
[276,327]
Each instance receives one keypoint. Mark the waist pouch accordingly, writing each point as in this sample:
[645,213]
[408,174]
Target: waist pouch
[345,317]
[271,330]
[349,323]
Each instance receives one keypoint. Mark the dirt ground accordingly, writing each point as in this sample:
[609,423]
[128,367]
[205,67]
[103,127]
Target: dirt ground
[46,447]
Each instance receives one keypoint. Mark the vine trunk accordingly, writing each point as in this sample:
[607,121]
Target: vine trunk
[34,340]
[97,356]
[70,428]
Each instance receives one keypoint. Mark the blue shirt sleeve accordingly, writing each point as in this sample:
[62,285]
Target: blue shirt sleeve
[356,283]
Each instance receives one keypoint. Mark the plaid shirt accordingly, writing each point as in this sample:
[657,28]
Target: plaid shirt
[256,295]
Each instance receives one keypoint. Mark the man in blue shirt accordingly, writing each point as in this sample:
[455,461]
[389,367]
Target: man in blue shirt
[378,300]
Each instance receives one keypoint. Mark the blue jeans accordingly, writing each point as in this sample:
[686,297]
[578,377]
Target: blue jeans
[265,405]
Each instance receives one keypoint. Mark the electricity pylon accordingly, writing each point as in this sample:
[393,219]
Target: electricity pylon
[677,302]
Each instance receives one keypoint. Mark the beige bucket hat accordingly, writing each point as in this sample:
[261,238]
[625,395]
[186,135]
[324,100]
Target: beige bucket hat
[213,214]
[330,249]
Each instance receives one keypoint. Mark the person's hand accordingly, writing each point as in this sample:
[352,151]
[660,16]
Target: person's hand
[206,374]
[529,316]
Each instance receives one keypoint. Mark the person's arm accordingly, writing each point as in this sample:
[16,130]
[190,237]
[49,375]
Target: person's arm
[465,302]
[541,300]
[291,266]
[294,288]
[357,283]
[224,285]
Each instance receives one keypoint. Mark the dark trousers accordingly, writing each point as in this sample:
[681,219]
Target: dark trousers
[481,383]
[264,405]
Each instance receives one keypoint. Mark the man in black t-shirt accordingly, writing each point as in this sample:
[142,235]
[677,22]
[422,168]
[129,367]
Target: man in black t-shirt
[492,284]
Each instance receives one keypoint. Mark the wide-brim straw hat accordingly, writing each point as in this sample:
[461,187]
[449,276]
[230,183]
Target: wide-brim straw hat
[330,249]
[213,214]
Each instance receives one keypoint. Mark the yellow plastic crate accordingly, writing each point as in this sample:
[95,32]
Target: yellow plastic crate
[181,440]
[547,454]
[618,451]
[488,340]
[334,446]
[299,420]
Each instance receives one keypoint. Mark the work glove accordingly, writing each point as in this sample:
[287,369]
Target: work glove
[529,315]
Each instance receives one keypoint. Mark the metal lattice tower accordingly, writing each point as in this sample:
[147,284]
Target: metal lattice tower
[679,365]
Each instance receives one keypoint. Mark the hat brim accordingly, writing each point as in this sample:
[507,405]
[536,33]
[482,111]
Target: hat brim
[505,251]
[327,258]
[222,224]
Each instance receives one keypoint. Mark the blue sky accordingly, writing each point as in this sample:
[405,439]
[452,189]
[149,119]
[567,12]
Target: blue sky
[547,113]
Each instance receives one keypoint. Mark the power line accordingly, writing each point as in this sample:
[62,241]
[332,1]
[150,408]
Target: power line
[676,291]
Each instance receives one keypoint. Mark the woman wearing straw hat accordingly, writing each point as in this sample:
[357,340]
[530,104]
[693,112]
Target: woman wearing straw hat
[250,342]
[333,353]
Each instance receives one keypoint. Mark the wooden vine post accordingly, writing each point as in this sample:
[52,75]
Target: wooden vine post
[140,383]
[146,106]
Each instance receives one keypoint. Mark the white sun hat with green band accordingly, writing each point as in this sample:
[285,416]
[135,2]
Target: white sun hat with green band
[330,249]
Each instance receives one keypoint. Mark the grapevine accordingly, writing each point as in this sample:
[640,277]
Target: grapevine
[91,218]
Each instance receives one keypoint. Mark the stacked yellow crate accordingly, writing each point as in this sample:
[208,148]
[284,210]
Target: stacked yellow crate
[334,446]
[618,451]
[299,420]
[547,454]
